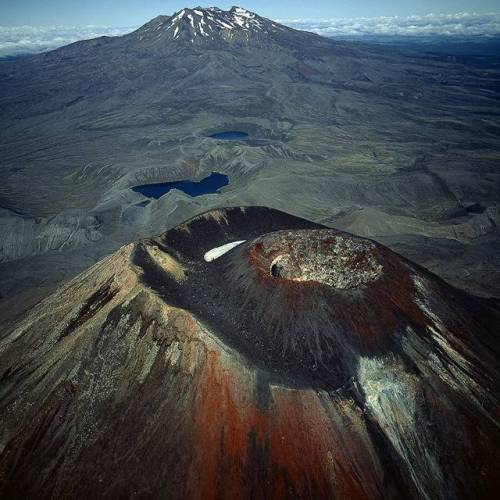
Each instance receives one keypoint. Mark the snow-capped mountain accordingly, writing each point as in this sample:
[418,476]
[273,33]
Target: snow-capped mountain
[204,25]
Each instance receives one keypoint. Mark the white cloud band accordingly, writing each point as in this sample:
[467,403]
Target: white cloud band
[461,24]
[16,40]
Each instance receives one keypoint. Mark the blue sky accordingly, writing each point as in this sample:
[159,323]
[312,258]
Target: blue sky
[133,12]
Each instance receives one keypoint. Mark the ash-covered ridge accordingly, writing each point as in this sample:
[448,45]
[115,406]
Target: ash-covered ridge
[349,372]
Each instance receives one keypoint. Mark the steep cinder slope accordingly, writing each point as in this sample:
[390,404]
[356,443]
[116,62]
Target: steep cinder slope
[292,361]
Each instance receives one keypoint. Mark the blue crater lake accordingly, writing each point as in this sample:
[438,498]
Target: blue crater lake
[209,185]
[232,135]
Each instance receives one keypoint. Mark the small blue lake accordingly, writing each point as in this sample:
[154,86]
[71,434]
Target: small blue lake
[232,135]
[209,185]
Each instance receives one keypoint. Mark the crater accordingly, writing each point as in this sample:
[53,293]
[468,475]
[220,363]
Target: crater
[276,267]
[322,256]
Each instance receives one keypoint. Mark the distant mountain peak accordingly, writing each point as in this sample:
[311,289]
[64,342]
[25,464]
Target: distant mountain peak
[210,23]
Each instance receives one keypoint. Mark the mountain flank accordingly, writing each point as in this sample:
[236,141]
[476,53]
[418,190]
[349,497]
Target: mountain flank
[248,353]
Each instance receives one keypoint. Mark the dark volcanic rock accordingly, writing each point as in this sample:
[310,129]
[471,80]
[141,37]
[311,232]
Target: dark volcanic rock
[248,353]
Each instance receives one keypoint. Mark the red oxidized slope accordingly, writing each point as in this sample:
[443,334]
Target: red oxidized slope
[291,448]
[302,362]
